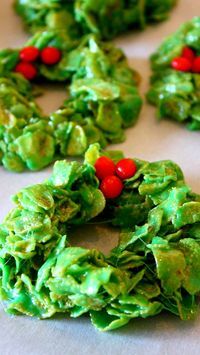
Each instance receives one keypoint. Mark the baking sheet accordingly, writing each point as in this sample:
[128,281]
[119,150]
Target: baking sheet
[150,140]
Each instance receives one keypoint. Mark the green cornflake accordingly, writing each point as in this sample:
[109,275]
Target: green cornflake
[107,18]
[154,267]
[174,93]
[103,101]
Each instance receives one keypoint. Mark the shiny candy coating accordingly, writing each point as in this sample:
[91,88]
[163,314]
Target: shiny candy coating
[29,54]
[188,53]
[126,168]
[50,55]
[28,70]
[104,167]
[182,64]
[196,65]
[111,186]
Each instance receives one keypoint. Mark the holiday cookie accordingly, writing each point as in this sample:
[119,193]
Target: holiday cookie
[175,83]
[106,18]
[101,101]
[155,267]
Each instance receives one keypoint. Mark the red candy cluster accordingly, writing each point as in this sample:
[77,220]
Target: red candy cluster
[112,175]
[187,62]
[29,55]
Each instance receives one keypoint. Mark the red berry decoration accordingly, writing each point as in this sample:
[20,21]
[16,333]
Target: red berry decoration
[29,54]
[104,167]
[196,65]
[111,186]
[27,70]
[181,64]
[51,55]
[188,53]
[126,168]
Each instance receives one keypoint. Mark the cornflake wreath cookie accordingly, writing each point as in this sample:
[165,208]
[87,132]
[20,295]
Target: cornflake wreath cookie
[175,84]
[155,267]
[107,18]
[102,100]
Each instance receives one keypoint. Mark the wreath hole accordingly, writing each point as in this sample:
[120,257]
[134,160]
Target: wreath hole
[101,236]
[51,96]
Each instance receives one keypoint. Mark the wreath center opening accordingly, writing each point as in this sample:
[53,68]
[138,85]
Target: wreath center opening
[51,96]
[101,236]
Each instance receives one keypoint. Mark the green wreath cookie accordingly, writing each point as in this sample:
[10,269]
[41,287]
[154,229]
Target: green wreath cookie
[155,267]
[102,100]
[106,18]
[175,84]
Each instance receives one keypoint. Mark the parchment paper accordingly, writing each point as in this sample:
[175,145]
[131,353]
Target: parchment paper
[149,140]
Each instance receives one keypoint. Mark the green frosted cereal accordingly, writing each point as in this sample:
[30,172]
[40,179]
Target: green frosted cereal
[107,18]
[154,267]
[175,93]
[102,102]
[103,98]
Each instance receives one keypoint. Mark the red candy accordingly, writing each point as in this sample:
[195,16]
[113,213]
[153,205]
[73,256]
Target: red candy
[104,167]
[51,55]
[196,65]
[181,64]
[111,186]
[126,168]
[29,54]
[188,53]
[27,70]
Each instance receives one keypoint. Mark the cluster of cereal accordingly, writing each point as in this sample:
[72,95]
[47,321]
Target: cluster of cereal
[155,266]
